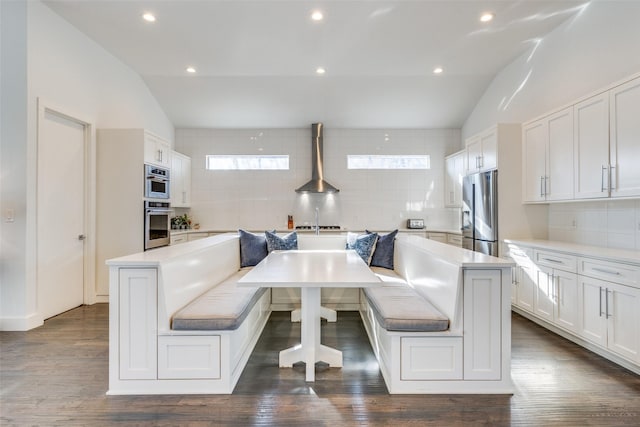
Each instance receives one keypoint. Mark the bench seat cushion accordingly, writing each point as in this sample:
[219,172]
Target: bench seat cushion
[398,307]
[223,307]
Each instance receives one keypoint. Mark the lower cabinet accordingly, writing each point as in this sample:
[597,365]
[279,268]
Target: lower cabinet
[594,299]
[610,316]
[137,288]
[482,325]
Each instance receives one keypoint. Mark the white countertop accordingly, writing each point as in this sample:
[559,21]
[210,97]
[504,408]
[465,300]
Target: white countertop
[458,256]
[284,231]
[622,255]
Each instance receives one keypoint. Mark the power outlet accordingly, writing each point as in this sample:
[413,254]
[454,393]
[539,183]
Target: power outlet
[9,215]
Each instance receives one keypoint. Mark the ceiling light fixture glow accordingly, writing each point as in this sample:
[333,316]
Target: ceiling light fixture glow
[191,70]
[486,17]
[320,70]
[438,70]
[316,15]
[149,17]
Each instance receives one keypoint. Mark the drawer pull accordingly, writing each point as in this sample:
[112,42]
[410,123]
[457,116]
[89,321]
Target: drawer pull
[552,260]
[605,271]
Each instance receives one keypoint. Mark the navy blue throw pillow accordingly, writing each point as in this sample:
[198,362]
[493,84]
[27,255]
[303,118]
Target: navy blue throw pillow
[284,243]
[383,255]
[253,248]
[363,244]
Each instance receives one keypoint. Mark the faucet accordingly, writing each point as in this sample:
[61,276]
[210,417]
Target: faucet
[317,223]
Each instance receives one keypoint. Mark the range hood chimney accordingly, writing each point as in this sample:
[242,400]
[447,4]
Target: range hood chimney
[317,183]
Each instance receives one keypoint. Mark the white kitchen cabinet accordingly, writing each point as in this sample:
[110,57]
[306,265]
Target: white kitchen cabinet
[547,172]
[591,147]
[180,180]
[557,289]
[137,294]
[438,237]
[624,102]
[523,278]
[455,170]
[597,300]
[482,151]
[178,238]
[157,151]
[482,298]
[454,239]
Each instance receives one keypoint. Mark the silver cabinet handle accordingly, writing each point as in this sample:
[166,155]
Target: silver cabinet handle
[600,303]
[552,260]
[605,271]
[612,175]
[602,187]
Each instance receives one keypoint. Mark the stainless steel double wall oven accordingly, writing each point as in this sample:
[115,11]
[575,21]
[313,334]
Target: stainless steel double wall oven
[157,208]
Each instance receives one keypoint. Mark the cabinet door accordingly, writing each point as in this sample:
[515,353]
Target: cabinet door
[625,139]
[176,180]
[453,179]
[534,153]
[137,323]
[156,151]
[592,319]
[482,324]
[559,178]
[186,181]
[526,287]
[591,147]
[544,294]
[623,313]
[474,154]
[566,307]
[489,145]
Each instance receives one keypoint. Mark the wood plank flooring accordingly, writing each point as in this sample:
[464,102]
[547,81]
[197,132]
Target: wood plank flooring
[58,375]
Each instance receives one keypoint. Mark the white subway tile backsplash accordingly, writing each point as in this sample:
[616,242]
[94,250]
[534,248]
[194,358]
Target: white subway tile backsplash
[606,223]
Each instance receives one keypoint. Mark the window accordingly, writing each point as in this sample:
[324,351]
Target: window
[366,161]
[247,162]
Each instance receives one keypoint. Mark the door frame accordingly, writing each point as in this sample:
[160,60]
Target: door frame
[44,106]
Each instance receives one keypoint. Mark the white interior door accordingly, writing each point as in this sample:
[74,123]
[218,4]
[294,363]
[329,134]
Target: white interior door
[60,213]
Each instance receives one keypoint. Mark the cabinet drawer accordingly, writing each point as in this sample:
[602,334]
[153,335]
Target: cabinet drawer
[180,238]
[556,260]
[611,271]
[454,239]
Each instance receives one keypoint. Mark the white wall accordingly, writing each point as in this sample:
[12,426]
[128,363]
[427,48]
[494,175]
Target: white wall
[72,72]
[587,53]
[375,199]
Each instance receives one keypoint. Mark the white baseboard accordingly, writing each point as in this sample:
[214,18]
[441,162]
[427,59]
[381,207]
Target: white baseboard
[21,323]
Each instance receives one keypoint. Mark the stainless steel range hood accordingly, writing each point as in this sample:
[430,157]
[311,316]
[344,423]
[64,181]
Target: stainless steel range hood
[317,183]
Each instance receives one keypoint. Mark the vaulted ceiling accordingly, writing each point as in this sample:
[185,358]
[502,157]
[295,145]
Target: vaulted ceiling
[256,61]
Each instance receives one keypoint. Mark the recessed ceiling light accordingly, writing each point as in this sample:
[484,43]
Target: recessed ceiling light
[438,70]
[317,15]
[486,17]
[191,70]
[149,17]
[320,70]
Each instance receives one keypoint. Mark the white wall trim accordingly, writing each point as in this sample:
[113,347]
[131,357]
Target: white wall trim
[26,323]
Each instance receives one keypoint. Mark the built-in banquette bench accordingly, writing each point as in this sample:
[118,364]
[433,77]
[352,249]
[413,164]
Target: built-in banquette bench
[178,323]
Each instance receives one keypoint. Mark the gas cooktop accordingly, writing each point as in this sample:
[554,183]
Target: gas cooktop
[321,227]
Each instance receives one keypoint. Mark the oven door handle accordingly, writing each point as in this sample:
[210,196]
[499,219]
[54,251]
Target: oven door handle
[156,178]
[159,210]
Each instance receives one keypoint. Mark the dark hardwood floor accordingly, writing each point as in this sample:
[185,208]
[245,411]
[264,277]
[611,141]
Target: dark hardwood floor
[58,375]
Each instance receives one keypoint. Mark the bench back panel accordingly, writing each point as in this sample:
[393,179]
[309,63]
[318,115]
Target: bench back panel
[431,276]
[183,278]
[321,242]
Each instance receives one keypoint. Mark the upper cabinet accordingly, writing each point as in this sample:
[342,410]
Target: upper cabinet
[547,158]
[624,110]
[156,151]
[180,180]
[482,151]
[586,151]
[591,154]
[453,179]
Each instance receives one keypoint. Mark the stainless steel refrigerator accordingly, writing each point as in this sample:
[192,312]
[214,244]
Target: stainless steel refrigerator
[480,212]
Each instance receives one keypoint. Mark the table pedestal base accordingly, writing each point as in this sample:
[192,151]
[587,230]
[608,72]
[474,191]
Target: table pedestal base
[310,350]
[325,313]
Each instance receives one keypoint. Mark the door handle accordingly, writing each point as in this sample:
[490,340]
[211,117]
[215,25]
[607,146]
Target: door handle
[602,172]
[81,237]
[600,304]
